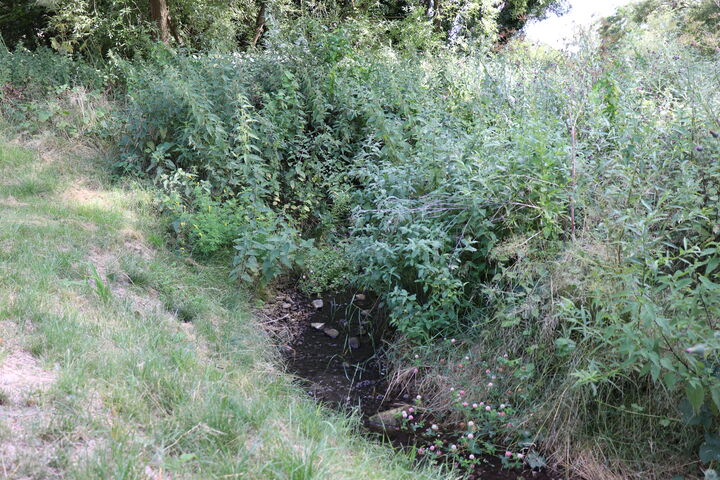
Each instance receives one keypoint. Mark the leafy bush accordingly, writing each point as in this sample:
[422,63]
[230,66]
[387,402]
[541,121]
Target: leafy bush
[211,226]
[327,269]
[692,23]
[126,28]
[265,245]
[42,91]
[267,248]
[22,22]
[42,71]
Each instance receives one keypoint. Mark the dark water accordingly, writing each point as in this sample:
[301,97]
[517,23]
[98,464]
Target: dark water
[347,372]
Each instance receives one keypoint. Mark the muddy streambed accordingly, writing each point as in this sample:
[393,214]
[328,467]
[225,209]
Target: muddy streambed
[335,350]
[336,354]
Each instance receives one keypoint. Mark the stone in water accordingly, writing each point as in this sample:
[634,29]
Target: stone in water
[331,332]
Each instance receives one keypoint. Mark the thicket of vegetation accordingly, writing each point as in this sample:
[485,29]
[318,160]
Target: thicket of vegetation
[557,213]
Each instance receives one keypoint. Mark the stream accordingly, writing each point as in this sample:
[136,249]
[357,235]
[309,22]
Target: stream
[336,354]
[335,351]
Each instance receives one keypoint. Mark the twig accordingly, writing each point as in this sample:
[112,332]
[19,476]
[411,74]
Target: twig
[572,181]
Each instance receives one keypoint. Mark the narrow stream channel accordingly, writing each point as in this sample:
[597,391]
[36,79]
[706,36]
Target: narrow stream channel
[336,353]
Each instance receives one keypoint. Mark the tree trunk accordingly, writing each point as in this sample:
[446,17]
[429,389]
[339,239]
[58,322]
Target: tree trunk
[436,7]
[161,15]
[457,25]
[432,11]
[259,24]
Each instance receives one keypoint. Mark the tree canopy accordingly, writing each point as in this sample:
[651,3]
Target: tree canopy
[127,27]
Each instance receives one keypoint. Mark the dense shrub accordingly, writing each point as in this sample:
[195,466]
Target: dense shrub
[96,29]
[39,72]
[22,22]
[694,23]
[126,28]
[555,205]
[327,269]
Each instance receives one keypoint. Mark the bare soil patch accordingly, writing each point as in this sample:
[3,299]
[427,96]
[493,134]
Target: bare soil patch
[22,381]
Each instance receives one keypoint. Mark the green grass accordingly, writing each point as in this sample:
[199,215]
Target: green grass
[160,369]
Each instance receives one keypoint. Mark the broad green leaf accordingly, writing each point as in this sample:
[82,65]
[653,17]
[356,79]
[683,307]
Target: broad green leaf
[712,265]
[715,394]
[710,449]
[670,380]
[695,394]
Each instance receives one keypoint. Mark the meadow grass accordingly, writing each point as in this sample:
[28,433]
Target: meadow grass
[157,367]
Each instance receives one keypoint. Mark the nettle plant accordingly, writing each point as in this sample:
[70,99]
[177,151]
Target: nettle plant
[627,306]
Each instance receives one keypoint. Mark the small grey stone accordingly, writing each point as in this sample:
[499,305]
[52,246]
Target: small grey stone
[388,419]
[286,306]
[360,297]
[331,332]
[354,342]
[318,304]
[317,326]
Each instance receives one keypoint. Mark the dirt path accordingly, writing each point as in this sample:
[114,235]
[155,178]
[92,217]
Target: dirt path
[22,380]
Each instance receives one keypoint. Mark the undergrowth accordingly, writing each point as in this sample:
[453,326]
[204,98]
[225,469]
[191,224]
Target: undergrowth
[562,209]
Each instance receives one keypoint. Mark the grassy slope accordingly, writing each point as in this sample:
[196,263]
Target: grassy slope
[116,384]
